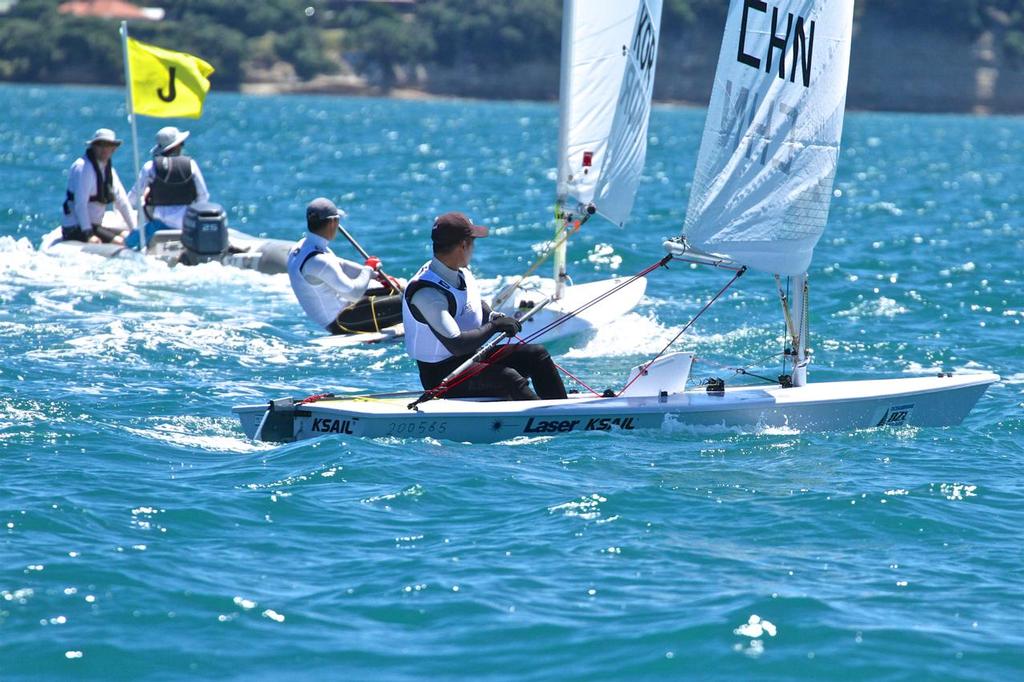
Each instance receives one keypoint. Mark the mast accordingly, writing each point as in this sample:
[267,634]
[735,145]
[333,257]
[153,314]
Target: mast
[564,112]
[135,133]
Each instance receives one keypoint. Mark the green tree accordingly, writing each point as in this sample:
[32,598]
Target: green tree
[389,41]
[27,49]
[304,50]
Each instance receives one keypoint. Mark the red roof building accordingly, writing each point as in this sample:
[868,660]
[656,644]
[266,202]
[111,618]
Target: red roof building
[110,9]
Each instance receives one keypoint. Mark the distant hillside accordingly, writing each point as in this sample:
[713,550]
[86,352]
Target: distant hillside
[939,55]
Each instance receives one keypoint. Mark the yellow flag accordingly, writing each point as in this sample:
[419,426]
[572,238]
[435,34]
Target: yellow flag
[166,83]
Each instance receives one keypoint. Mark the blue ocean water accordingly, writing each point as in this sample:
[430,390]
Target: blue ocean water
[143,537]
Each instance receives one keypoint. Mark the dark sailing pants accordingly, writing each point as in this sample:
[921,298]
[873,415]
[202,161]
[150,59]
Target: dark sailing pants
[508,377]
[77,234]
[378,309]
[74,234]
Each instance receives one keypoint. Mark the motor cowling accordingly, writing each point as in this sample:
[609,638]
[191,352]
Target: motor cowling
[204,233]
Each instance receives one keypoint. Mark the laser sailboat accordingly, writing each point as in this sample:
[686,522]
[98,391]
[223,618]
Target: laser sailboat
[759,203]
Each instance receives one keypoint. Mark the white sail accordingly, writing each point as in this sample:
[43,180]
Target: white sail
[768,156]
[607,79]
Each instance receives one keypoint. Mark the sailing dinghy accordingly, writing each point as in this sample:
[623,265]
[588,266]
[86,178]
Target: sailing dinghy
[759,202]
[609,51]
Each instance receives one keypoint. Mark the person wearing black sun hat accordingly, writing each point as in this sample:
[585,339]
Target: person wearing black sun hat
[446,321]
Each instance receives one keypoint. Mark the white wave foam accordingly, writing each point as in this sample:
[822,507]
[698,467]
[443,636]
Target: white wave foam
[525,440]
[673,425]
[587,508]
[882,307]
[970,367]
[60,281]
[213,435]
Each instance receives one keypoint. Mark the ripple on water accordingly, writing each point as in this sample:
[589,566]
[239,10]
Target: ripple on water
[131,502]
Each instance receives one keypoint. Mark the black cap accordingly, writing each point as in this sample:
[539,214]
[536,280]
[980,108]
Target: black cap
[452,228]
[321,209]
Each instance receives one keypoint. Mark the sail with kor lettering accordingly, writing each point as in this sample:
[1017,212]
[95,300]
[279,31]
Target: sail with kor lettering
[768,156]
[608,78]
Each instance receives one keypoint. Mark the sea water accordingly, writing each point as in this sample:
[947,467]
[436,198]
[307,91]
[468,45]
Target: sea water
[144,537]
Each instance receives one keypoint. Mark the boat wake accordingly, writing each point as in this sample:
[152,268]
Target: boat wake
[219,435]
[643,334]
[672,425]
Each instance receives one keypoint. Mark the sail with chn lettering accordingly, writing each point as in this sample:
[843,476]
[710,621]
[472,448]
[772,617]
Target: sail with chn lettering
[607,81]
[768,156]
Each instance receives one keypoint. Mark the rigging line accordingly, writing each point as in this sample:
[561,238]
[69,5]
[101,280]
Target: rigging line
[317,397]
[618,287]
[719,265]
[788,326]
[575,378]
[805,333]
[561,237]
[469,372]
[484,363]
[784,297]
[741,370]
[682,331]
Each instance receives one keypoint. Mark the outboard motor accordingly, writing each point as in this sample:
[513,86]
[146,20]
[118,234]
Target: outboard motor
[204,234]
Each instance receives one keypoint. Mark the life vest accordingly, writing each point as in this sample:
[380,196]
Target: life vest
[320,302]
[464,305]
[104,185]
[173,183]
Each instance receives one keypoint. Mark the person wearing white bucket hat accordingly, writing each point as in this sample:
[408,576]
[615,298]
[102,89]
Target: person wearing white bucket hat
[92,185]
[168,184]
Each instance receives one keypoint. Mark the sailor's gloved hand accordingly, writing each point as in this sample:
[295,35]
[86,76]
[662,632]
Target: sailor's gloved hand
[509,326]
[373,262]
[389,282]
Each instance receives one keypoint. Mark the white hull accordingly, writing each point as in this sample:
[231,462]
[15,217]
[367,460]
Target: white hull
[587,321]
[923,401]
[269,256]
[386,335]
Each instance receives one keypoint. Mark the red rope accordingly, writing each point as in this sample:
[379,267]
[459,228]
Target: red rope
[739,273]
[469,372]
[314,398]
[484,363]
[575,378]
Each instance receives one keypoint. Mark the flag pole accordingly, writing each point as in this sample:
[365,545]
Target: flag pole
[135,133]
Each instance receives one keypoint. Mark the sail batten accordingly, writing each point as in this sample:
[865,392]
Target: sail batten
[610,81]
[768,156]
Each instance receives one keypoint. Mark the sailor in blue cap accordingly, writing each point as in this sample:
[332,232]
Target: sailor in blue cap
[334,292]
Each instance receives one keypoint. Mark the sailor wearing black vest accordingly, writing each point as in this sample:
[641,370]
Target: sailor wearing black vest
[335,292]
[169,183]
[444,318]
[92,185]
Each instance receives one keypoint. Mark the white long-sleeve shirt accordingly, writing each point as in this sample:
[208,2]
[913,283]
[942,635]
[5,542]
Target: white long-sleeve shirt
[323,283]
[433,305]
[83,183]
[171,216]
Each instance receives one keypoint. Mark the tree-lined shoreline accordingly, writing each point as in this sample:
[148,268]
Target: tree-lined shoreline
[959,55]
